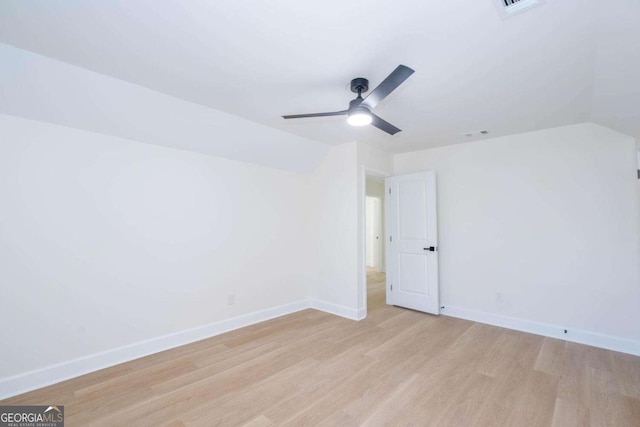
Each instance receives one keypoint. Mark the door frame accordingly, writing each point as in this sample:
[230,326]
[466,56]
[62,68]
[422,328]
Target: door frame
[362,200]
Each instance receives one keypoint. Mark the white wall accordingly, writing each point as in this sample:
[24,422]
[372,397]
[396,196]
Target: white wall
[106,242]
[549,219]
[335,225]
[339,188]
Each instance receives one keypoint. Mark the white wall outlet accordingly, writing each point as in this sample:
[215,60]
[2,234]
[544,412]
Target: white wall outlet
[231,299]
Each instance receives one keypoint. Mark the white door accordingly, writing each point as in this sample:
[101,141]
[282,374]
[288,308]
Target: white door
[412,242]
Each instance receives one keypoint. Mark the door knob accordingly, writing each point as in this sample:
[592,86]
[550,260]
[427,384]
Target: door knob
[431,248]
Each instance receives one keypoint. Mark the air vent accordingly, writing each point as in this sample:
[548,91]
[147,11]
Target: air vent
[509,8]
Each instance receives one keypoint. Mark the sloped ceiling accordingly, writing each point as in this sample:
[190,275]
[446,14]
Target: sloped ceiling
[565,62]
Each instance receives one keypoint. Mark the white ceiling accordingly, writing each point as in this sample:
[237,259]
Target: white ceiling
[565,62]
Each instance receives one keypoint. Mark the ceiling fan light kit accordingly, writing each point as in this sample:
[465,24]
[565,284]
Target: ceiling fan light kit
[360,111]
[359,116]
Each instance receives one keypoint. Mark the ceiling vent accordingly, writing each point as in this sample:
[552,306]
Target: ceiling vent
[509,8]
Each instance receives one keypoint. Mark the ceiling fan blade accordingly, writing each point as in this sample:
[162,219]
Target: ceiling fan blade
[301,116]
[384,125]
[388,85]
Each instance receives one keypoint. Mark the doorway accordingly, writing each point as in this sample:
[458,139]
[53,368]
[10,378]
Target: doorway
[375,243]
[373,224]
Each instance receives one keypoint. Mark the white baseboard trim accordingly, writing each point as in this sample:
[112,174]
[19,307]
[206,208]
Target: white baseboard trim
[554,331]
[22,383]
[338,310]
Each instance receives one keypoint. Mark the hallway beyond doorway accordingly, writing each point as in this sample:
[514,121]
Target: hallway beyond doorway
[376,289]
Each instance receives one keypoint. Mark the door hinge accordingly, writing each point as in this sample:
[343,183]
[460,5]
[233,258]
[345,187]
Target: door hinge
[638,176]
[390,188]
[391,238]
[391,287]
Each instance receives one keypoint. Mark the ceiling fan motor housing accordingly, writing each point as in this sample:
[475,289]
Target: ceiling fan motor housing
[354,103]
[359,85]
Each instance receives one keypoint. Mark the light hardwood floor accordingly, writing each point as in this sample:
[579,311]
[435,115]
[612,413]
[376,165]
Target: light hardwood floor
[396,368]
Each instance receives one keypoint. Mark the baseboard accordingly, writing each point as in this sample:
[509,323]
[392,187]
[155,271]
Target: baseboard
[338,310]
[22,383]
[554,331]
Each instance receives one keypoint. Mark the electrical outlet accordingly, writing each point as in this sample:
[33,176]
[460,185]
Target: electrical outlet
[231,299]
[499,297]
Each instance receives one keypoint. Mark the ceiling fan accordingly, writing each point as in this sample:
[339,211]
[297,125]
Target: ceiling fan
[360,109]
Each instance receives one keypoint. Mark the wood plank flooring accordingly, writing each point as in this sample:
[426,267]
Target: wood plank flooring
[396,368]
